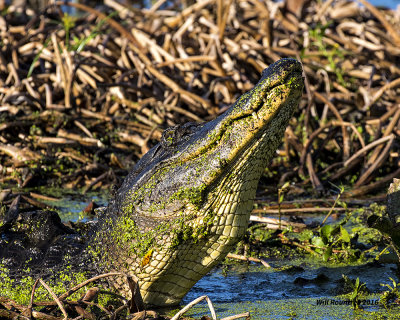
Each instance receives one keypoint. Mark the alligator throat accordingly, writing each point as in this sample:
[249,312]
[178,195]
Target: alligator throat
[187,202]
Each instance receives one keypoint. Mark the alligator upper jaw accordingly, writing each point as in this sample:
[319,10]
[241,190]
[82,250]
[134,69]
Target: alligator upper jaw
[260,114]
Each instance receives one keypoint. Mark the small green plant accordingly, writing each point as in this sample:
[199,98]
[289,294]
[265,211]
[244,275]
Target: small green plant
[35,130]
[68,23]
[36,58]
[330,238]
[78,44]
[332,53]
[390,296]
[334,237]
[281,194]
[359,289]
[341,190]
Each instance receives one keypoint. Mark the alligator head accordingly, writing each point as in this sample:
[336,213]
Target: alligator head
[188,200]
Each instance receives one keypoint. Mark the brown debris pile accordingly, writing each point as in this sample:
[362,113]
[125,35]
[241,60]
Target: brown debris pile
[82,98]
[87,307]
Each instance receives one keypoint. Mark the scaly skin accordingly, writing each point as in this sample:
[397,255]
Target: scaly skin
[188,200]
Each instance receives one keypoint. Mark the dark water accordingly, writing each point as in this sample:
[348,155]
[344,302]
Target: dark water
[291,287]
[305,280]
[309,290]
[71,203]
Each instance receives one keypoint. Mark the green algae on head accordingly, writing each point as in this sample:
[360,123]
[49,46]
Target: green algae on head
[191,195]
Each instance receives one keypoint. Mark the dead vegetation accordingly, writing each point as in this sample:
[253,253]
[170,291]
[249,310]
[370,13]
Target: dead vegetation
[82,98]
[64,307]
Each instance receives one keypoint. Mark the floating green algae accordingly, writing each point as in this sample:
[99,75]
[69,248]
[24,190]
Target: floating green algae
[322,308]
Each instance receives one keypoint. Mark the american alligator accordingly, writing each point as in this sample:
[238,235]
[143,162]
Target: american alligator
[186,202]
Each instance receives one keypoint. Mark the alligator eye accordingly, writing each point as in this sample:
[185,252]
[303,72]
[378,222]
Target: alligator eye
[171,136]
[168,137]
[222,163]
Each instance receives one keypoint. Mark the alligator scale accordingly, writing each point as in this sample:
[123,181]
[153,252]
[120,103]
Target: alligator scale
[187,202]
